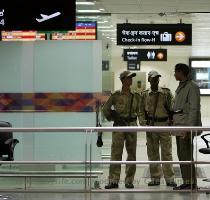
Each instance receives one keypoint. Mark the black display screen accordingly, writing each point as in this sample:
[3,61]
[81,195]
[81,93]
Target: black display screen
[40,15]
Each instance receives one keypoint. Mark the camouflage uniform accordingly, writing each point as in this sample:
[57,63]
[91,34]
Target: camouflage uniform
[156,140]
[186,113]
[121,104]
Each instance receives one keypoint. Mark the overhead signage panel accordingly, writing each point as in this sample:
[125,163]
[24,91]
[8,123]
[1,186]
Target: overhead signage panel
[145,54]
[154,34]
[133,65]
[37,15]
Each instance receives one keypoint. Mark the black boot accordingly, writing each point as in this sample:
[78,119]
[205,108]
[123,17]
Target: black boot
[171,184]
[186,187]
[129,185]
[112,186]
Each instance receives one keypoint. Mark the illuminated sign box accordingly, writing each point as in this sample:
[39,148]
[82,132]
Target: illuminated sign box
[133,65]
[37,15]
[200,69]
[84,31]
[154,34]
[145,54]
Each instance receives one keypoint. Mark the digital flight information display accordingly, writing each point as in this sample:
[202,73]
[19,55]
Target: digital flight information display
[84,31]
[22,36]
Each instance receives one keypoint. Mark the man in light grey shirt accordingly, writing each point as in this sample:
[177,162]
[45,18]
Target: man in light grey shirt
[186,113]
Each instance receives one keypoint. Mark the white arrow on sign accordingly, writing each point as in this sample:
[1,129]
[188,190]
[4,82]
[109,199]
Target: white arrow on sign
[180,37]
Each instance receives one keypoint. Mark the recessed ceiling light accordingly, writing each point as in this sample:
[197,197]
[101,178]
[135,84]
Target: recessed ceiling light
[101,22]
[88,11]
[89,17]
[105,27]
[105,30]
[85,3]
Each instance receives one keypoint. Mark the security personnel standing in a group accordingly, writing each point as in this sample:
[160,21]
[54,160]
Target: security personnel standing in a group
[155,110]
[122,107]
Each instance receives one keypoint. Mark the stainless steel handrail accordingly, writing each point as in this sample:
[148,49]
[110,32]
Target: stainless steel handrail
[89,130]
[49,175]
[110,129]
[53,172]
[105,162]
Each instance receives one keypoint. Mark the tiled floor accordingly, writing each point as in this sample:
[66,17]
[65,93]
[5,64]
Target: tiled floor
[110,196]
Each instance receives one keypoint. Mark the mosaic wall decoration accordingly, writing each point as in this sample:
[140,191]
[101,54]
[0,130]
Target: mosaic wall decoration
[51,102]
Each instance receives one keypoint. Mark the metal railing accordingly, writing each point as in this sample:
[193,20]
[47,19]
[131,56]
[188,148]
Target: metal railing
[88,163]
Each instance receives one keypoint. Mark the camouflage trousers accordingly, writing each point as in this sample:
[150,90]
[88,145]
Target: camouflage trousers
[118,140]
[155,141]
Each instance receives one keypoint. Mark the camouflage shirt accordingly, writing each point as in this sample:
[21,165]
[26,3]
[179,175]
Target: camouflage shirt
[147,104]
[121,103]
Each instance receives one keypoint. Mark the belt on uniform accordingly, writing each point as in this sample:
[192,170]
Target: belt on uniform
[127,119]
[159,119]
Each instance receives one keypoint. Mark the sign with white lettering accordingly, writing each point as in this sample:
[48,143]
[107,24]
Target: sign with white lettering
[133,65]
[145,54]
[154,34]
[40,15]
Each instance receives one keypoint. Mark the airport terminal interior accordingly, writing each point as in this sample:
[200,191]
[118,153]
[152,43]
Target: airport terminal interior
[54,83]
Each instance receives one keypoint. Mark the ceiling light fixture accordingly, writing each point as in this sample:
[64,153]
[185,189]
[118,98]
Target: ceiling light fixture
[105,27]
[101,22]
[105,30]
[85,3]
[89,17]
[88,11]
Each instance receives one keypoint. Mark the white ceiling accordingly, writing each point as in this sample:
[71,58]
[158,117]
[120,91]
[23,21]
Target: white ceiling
[155,6]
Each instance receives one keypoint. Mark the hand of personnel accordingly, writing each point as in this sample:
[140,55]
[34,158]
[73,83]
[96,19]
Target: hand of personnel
[99,142]
[114,114]
[170,122]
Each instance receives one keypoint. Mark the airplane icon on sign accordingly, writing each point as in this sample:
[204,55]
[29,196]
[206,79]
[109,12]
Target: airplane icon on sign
[47,17]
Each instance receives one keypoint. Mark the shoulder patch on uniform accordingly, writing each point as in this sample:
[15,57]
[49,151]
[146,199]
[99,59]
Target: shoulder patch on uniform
[164,88]
[116,92]
[144,91]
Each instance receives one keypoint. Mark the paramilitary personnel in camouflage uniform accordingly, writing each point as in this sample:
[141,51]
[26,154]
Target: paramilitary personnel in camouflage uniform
[155,108]
[186,113]
[123,108]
